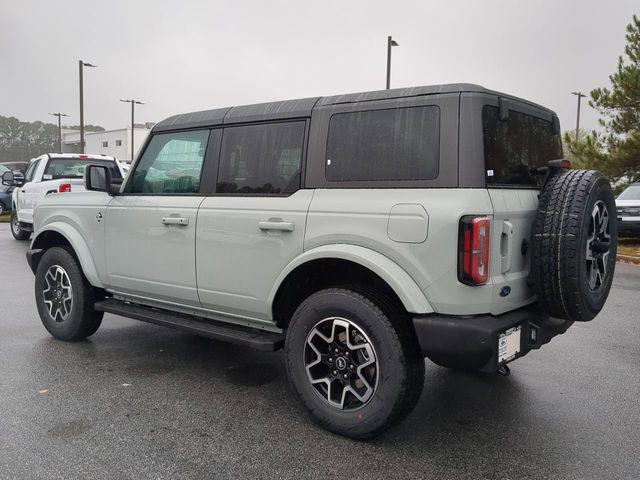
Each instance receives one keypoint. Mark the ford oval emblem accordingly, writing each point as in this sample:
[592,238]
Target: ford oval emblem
[505,291]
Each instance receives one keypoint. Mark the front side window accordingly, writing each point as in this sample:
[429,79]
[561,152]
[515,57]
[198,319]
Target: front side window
[261,158]
[31,171]
[514,148]
[390,144]
[171,163]
[58,168]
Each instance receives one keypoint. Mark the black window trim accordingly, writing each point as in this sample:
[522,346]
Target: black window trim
[373,183]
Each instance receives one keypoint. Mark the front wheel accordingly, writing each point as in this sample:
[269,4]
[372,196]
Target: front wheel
[64,298]
[353,362]
[17,232]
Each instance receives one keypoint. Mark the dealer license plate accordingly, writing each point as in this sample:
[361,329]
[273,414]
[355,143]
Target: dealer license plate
[509,344]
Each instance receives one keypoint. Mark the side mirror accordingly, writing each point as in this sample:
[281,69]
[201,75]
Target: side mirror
[97,178]
[18,178]
[7,179]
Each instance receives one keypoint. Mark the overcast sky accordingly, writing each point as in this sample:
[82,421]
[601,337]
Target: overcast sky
[180,56]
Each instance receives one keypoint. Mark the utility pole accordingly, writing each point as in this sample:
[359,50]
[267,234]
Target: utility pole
[390,43]
[59,129]
[579,95]
[81,66]
[133,103]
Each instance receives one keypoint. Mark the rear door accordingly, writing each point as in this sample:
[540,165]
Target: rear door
[514,145]
[254,224]
[151,226]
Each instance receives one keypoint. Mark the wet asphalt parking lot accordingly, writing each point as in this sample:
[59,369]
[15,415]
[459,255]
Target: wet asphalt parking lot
[138,401]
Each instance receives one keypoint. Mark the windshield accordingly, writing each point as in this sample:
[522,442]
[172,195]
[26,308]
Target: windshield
[3,169]
[631,193]
[74,168]
[515,147]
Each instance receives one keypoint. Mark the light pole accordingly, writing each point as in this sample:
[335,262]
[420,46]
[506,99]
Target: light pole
[59,128]
[390,43]
[133,103]
[81,66]
[579,95]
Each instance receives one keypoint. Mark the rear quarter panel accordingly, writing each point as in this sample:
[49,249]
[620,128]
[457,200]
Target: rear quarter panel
[362,216]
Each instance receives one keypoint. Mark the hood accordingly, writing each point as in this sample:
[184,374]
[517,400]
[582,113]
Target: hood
[627,203]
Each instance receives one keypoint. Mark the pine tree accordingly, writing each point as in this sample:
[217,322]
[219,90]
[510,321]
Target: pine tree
[616,151]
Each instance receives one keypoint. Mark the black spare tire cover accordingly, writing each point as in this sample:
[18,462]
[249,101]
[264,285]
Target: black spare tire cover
[574,244]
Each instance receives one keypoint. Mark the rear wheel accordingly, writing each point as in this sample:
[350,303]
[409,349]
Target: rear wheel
[574,244]
[64,298]
[17,232]
[353,362]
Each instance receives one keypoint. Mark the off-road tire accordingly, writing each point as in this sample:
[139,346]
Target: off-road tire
[399,363]
[16,231]
[561,237]
[83,320]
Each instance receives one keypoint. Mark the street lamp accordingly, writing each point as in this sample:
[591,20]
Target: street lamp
[579,95]
[390,43]
[81,66]
[133,103]
[59,128]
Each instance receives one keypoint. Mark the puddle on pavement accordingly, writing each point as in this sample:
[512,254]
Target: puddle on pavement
[69,429]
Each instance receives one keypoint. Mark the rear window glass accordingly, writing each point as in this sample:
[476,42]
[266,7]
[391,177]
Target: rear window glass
[515,147]
[390,144]
[262,159]
[58,168]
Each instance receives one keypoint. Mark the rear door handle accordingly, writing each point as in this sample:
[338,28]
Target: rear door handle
[181,221]
[276,225]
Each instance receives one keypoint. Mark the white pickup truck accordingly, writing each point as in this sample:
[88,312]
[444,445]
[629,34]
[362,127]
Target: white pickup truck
[48,174]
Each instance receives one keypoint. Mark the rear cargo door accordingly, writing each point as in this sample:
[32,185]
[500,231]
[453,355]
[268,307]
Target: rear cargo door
[518,139]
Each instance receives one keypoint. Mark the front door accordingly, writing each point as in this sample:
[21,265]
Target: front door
[254,225]
[27,195]
[151,226]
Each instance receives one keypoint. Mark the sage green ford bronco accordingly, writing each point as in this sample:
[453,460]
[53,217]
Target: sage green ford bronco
[361,233]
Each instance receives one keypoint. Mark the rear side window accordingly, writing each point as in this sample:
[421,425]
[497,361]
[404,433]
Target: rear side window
[515,147]
[171,163]
[261,158]
[59,168]
[390,144]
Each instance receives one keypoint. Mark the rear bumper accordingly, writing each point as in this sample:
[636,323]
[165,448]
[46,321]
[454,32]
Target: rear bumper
[472,342]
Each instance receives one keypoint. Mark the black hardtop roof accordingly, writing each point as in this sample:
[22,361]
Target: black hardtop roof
[301,108]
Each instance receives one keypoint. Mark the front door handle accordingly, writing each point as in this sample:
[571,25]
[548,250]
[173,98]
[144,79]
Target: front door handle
[181,221]
[273,224]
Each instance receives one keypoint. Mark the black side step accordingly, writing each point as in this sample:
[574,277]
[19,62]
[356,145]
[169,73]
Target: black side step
[227,332]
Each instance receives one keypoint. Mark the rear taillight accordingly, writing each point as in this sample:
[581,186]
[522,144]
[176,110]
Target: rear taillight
[64,187]
[473,249]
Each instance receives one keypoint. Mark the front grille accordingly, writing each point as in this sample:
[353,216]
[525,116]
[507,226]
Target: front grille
[629,212]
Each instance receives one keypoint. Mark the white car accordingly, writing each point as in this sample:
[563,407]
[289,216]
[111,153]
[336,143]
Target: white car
[628,209]
[49,174]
